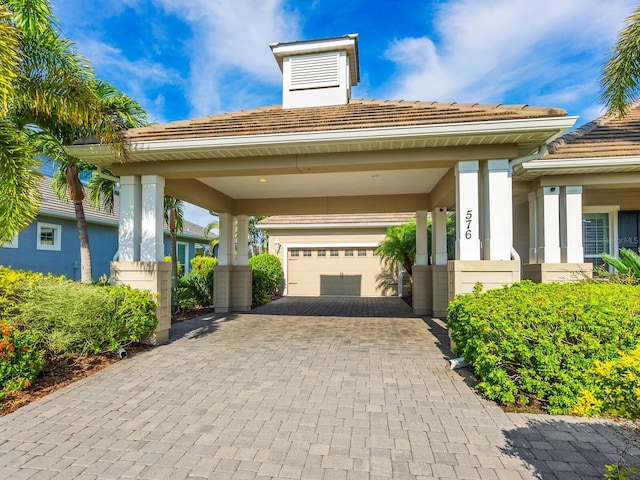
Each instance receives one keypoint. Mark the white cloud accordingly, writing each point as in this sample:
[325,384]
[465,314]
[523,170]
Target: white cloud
[229,48]
[493,51]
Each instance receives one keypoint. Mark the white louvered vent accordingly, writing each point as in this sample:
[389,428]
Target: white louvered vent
[315,71]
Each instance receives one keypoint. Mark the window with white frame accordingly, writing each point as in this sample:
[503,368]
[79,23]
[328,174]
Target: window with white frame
[599,232]
[182,252]
[12,244]
[49,237]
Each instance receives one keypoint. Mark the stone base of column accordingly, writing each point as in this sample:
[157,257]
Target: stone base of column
[557,272]
[154,277]
[440,285]
[464,274]
[232,288]
[422,291]
[241,275]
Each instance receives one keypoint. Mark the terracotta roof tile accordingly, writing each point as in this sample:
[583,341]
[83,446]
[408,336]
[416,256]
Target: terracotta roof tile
[607,136]
[358,114]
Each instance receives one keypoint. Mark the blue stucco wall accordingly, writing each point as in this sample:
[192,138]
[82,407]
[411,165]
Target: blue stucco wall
[103,240]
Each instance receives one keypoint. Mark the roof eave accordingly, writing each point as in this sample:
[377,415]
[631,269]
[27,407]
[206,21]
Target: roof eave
[536,168]
[274,141]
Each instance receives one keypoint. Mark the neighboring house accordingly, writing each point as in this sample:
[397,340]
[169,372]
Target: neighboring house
[333,254]
[50,244]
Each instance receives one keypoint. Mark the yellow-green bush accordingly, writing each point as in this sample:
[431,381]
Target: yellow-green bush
[542,340]
[267,276]
[614,388]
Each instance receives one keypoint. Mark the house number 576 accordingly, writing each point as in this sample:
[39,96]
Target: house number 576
[468,218]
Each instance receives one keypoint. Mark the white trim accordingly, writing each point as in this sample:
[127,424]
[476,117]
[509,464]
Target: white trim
[291,226]
[57,237]
[185,270]
[593,162]
[12,244]
[345,135]
[612,210]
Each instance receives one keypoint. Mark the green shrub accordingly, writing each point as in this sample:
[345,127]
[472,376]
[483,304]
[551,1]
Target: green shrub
[541,340]
[20,364]
[196,288]
[204,265]
[13,286]
[614,388]
[167,259]
[69,318]
[627,267]
[270,278]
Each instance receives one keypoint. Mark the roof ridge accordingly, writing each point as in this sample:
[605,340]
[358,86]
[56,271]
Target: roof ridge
[587,128]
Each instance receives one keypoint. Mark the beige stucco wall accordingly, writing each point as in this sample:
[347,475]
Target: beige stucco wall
[627,199]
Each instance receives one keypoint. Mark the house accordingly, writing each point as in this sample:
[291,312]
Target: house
[518,204]
[51,245]
[333,254]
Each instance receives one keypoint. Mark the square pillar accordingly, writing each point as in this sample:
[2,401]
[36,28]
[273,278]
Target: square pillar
[497,213]
[226,239]
[152,220]
[242,257]
[422,244]
[467,214]
[549,225]
[571,250]
[439,236]
[533,227]
[130,213]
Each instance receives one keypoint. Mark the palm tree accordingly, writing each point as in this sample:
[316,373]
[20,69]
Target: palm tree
[399,246]
[45,85]
[620,80]
[174,218]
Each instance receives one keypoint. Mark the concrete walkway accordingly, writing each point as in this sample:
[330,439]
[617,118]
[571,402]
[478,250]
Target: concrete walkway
[275,394]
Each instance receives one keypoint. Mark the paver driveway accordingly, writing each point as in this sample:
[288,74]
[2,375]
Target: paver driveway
[276,394]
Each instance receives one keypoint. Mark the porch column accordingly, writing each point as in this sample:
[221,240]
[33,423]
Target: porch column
[439,236]
[225,245]
[497,212]
[533,227]
[571,250]
[241,272]
[422,252]
[421,272]
[222,274]
[548,225]
[467,218]
[440,279]
[152,240]
[130,213]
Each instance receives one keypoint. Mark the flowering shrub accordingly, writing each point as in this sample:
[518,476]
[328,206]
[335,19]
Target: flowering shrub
[20,364]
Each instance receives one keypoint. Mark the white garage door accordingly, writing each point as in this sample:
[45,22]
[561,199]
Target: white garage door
[333,271]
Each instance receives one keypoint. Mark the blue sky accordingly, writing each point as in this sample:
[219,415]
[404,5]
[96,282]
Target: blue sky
[189,58]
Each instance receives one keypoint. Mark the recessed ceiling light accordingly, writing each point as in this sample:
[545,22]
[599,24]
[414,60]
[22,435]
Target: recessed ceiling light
[263,180]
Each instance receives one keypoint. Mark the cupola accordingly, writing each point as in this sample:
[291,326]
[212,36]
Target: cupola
[318,73]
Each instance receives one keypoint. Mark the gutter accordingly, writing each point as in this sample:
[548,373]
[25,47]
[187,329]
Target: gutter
[519,161]
[106,176]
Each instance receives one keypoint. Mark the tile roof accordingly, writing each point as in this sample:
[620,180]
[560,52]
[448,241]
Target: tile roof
[51,204]
[353,219]
[607,136]
[358,114]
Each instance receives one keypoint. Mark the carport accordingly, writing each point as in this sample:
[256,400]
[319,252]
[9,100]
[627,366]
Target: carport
[322,152]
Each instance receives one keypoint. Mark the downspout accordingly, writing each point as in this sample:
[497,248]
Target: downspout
[106,176]
[519,161]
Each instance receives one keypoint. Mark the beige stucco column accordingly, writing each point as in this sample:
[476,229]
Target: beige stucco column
[140,245]
[497,215]
[421,272]
[222,273]
[241,273]
[440,280]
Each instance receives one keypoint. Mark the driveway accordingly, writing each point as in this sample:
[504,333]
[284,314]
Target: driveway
[298,389]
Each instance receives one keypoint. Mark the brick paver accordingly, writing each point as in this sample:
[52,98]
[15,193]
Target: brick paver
[298,389]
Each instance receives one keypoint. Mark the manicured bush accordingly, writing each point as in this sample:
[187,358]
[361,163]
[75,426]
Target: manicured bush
[196,288]
[614,388]
[20,364]
[70,318]
[540,341]
[267,276]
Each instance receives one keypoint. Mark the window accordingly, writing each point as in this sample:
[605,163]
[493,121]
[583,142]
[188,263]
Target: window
[333,253]
[12,244]
[182,252]
[295,253]
[348,253]
[49,237]
[599,233]
[362,252]
[322,253]
[306,253]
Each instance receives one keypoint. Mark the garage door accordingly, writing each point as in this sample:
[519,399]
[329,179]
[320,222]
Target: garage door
[338,271]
